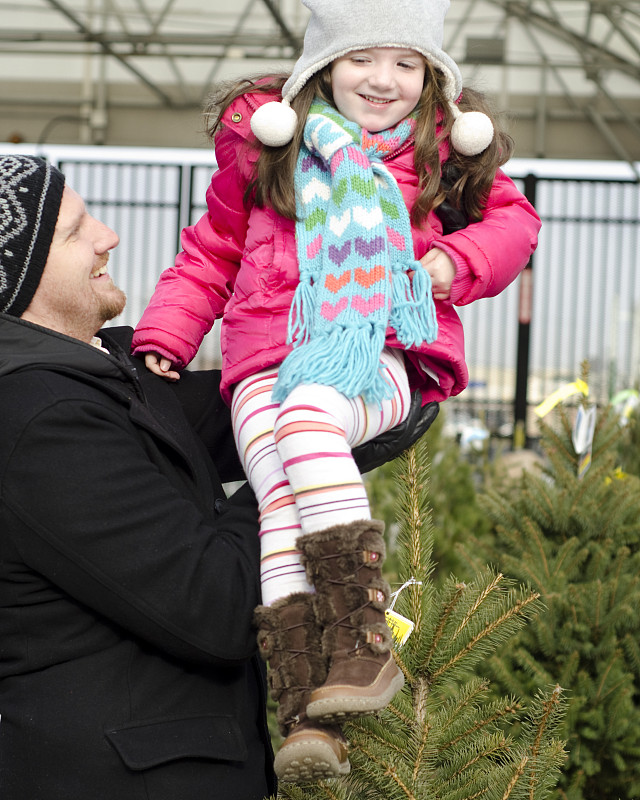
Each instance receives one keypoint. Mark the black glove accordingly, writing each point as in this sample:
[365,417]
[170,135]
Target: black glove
[453,219]
[393,443]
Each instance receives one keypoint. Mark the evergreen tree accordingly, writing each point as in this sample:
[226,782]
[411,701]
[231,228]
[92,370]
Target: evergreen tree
[629,446]
[453,505]
[575,541]
[443,737]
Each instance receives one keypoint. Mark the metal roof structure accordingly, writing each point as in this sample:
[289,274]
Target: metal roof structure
[137,71]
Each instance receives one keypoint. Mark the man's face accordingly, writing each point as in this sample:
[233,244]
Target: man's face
[76,295]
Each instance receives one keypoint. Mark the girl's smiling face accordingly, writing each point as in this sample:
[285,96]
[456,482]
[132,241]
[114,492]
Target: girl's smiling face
[377,87]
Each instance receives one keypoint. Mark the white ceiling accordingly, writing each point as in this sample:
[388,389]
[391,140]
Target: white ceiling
[573,60]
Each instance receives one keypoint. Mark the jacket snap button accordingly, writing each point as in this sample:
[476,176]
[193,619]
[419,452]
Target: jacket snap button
[236,117]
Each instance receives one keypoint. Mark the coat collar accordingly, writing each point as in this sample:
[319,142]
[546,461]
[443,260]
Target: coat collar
[24,345]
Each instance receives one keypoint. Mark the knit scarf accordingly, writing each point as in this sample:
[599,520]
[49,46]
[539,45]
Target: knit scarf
[354,246]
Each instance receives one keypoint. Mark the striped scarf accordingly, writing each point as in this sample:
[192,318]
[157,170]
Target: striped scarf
[355,253]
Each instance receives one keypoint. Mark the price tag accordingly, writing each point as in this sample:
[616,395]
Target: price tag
[401,627]
[582,436]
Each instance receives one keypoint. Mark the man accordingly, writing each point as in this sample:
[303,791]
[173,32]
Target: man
[127,580]
[128,666]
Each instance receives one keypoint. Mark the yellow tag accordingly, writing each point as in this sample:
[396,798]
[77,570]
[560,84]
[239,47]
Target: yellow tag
[584,462]
[578,387]
[401,627]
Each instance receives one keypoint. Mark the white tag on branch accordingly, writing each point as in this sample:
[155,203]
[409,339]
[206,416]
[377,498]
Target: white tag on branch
[582,436]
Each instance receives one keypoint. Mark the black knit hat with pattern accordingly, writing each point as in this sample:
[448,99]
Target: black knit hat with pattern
[30,195]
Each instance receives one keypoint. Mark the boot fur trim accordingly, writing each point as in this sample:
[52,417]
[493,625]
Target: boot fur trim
[289,639]
[347,543]
[268,620]
[376,635]
[353,596]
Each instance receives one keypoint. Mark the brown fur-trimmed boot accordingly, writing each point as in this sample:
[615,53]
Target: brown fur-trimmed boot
[289,640]
[344,565]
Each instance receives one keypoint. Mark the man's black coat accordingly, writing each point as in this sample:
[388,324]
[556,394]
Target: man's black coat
[127,583]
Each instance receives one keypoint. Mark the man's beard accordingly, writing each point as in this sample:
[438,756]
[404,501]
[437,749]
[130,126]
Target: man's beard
[113,305]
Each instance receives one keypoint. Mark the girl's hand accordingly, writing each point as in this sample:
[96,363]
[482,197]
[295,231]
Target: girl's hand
[161,366]
[442,271]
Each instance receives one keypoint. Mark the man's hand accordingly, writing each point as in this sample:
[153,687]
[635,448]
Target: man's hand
[393,443]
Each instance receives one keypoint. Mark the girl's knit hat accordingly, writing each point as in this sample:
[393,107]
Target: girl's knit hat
[337,27]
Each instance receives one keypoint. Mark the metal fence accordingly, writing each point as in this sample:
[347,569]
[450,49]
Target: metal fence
[580,299]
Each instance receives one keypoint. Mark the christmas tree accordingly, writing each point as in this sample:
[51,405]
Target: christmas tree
[453,484]
[573,536]
[443,736]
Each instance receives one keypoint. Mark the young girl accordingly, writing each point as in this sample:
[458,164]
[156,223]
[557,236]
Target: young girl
[323,251]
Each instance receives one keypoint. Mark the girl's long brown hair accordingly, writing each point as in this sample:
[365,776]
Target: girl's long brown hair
[463,181]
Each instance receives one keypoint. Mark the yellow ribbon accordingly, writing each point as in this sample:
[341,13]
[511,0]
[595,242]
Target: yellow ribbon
[569,389]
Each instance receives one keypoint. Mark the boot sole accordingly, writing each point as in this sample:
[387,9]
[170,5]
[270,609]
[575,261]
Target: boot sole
[337,703]
[308,761]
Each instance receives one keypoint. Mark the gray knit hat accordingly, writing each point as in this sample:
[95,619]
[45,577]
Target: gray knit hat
[30,196]
[336,27]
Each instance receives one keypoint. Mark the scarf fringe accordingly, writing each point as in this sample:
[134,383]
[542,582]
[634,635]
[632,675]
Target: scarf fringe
[344,359]
[413,311]
[301,312]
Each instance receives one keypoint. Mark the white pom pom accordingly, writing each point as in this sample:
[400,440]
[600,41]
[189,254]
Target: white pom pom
[471,133]
[274,124]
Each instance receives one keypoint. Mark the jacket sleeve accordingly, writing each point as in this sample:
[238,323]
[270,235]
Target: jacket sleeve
[127,539]
[490,254]
[199,395]
[192,294]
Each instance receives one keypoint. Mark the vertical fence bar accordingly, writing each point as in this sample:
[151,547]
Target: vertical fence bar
[524,332]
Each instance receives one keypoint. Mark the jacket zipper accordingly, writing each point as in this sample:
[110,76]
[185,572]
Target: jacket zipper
[409,143]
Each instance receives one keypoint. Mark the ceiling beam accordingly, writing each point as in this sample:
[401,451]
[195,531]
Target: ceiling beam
[293,40]
[599,57]
[139,42]
[108,50]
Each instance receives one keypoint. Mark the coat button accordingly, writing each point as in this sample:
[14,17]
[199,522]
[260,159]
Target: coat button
[218,506]
[236,117]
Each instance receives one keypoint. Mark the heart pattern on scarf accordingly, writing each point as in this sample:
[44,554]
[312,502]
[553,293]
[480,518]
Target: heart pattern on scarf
[366,307]
[334,284]
[368,249]
[339,254]
[314,247]
[367,277]
[330,311]
[367,217]
[355,257]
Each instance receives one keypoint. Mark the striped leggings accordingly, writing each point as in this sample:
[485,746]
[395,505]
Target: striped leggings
[297,458]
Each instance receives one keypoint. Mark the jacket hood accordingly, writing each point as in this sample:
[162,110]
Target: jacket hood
[24,345]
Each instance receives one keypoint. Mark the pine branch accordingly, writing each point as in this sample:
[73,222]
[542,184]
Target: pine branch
[391,771]
[514,612]
[493,585]
[450,606]
[504,710]
[516,777]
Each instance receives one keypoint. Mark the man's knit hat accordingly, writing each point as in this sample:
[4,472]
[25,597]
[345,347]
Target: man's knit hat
[30,196]
[337,27]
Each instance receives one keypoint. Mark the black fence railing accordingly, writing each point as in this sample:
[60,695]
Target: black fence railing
[580,298]
[579,301]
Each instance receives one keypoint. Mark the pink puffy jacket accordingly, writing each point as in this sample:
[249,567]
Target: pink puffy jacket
[240,263]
